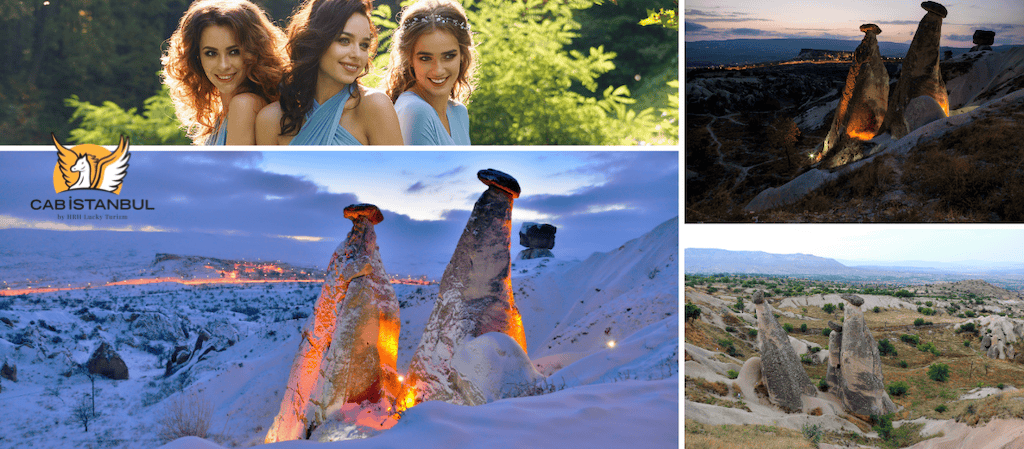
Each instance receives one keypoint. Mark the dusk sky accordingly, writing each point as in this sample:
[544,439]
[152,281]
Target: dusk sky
[598,200]
[747,19]
[994,245]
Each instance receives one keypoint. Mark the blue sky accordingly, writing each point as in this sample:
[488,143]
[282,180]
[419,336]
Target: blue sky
[747,19]
[598,200]
[869,242]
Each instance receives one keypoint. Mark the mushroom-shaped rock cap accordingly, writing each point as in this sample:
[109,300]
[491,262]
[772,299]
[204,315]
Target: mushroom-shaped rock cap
[870,27]
[834,326]
[368,211]
[854,299]
[935,8]
[500,180]
[758,297]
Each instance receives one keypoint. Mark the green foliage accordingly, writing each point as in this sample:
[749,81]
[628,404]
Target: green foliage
[526,78]
[877,309]
[903,293]
[814,349]
[928,347]
[663,17]
[910,339]
[885,347]
[967,343]
[822,385]
[103,125]
[898,388]
[903,363]
[813,433]
[829,308]
[787,327]
[919,322]
[842,306]
[883,425]
[739,305]
[732,374]
[712,289]
[826,331]
[968,327]
[752,333]
[803,327]
[970,314]
[730,329]
[692,311]
[926,311]
[941,408]
[938,372]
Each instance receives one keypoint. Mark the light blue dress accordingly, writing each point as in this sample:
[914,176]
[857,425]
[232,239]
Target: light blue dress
[421,125]
[220,135]
[323,123]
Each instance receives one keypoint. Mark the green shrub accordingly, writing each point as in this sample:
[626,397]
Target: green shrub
[928,347]
[928,303]
[803,327]
[886,348]
[883,425]
[692,312]
[903,364]
[910,339]
[968,327]
[732,374]
[752,333]
[970,314]
[898,388]
[941,408]
[826,331]
[814,349]
[967,343]
[876,309]
[919,322]
[829,308]
[938,372]
[787,327]
[739,305]
[842,306]
[902,293]
[730,329]
[813,433]
[823,385]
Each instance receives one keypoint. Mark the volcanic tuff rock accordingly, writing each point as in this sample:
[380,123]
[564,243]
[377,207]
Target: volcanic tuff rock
[1000,334]
[538,240]
[107,363]
[783,375]
[983,40]
[349,346]
[863,104]
[491,367]
[158,326]
[9,371]
[920,74]
[475,295]
[861,386]
[835,351]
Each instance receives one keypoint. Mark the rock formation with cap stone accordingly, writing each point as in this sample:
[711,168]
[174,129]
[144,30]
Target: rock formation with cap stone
[475,295]
[106,362]
[538,239]
[861,387]
[862,107]
[349,346]
[835,351]
[920,75]
[983,40]
[783,375]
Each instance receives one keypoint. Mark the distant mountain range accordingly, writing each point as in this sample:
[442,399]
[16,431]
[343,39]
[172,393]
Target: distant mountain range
[743,51]
[709,260]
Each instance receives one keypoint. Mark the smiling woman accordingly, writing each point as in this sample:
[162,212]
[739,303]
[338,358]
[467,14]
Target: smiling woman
[331,43]
[222,66]
[430,72]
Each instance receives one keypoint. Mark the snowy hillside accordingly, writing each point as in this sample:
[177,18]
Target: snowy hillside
[247,335]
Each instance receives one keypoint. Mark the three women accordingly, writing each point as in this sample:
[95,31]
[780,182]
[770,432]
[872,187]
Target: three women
[321,101]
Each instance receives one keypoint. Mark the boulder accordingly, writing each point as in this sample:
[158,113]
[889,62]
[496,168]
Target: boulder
[533,235]
[862,106]
[1000,334]
[920,74]
[157,326]
[534,253]
[349,348]
[922,111]
[861,385]
[783,375]
[491,367]
[475,295]
[107,363]
[984,37]
[9,371]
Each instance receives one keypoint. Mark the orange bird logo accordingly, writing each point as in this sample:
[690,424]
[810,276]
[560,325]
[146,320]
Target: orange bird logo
[90,166]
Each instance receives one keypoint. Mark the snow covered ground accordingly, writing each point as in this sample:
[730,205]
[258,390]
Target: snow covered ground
[604,330]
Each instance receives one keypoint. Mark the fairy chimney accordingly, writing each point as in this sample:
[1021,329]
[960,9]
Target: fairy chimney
[920,76]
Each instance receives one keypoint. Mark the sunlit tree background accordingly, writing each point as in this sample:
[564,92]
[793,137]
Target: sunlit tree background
[551,72]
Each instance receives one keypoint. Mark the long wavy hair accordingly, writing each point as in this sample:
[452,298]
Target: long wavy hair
[311,30]
[424,17]
[197,102]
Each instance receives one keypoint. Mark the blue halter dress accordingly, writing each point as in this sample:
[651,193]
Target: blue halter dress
[421,125]
[323,123]
[220,135]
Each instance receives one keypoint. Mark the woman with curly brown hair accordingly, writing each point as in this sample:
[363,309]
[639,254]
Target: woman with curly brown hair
[223,65]
[330,43]
[430,73]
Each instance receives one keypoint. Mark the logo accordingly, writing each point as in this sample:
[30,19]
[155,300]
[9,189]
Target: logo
[90,167]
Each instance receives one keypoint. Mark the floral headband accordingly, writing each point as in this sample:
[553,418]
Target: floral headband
[434,18]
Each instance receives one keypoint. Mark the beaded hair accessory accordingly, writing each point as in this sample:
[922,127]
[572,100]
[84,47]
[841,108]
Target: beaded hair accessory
[434,18]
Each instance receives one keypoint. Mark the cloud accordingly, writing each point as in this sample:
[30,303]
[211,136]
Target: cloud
[707,16]
[452,172]
[691,27]
[898,22]
[418,186]
[751,32]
